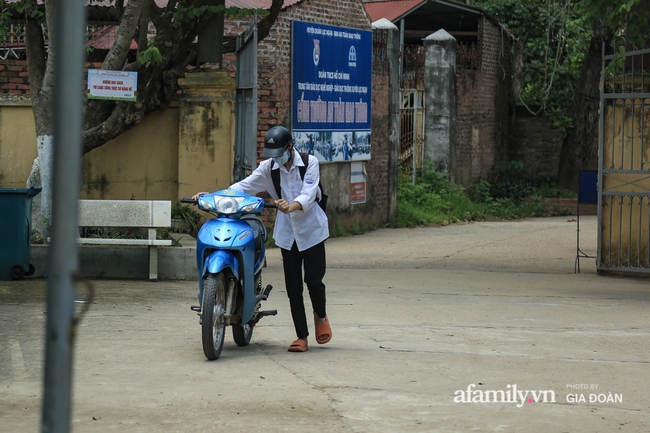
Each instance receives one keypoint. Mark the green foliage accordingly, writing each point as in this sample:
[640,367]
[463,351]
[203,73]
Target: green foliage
[150,56]
[511,183]
[185,213]
[337,231]
[37,237]
[552,191]
[627,24]
[436,201]
[270,242]
[554,38]
[27,8]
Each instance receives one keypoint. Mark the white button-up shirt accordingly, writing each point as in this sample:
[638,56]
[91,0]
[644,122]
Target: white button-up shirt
[307,227]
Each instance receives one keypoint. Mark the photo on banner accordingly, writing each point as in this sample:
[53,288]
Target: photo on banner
[331,91]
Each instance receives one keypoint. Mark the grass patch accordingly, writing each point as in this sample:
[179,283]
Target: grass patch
[433,200]
[191,217]
[551,191]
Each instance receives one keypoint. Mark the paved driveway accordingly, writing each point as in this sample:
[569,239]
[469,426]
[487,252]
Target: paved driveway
[477,327]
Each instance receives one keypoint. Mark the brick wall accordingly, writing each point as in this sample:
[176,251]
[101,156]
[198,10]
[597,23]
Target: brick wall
[537,143]
[483,109]
[377,166]
[562,206]
[14,78]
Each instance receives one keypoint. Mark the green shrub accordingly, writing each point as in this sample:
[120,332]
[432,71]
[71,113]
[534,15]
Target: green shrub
[185,213]
[511,183]
[270,242]
[435,200]
[551,191]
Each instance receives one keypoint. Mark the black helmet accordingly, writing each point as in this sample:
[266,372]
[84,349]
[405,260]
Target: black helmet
[276,141]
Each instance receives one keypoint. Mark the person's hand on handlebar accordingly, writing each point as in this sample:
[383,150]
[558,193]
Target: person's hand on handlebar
[195,197]
[286,207]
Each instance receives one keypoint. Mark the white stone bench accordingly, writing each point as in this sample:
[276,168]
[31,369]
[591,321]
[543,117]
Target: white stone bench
[149,214]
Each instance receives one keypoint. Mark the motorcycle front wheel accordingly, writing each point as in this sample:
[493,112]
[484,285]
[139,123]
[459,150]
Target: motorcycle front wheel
[213,324]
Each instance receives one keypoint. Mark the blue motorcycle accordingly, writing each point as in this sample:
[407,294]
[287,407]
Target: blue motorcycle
[230,255]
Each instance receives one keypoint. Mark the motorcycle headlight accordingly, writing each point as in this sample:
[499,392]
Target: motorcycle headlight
[227,205]
[207,205]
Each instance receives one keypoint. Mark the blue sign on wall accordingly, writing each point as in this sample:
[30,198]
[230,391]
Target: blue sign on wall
[331,101]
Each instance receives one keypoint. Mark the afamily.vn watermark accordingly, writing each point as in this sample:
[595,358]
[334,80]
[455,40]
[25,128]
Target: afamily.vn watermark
[510,395]
[520,397]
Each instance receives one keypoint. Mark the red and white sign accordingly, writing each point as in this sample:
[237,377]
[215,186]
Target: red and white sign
[357,183]
[115,85]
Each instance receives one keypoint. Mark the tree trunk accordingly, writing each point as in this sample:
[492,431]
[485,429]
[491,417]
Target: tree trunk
[580,147]
[41,79]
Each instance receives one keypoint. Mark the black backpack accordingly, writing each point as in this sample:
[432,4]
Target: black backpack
[275,176]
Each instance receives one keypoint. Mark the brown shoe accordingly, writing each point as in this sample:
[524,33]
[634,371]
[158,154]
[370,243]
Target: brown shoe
[299,345]
[323,332]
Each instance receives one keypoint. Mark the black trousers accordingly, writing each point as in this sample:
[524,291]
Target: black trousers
[313,260]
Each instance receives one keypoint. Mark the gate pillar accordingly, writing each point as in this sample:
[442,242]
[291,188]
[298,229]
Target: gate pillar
[206,132]
[440,101]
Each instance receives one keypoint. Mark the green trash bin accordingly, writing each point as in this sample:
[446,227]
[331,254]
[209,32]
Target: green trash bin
[16,232]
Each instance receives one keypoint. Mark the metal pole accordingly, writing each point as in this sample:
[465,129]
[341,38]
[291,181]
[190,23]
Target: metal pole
[415,136]
[62,257]
[601,159]
[401,50]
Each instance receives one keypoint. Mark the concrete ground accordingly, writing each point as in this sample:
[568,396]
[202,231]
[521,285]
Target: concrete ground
[419,316]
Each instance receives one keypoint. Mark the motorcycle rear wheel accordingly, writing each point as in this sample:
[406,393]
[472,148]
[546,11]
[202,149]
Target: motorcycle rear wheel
[213,324]
[242,334]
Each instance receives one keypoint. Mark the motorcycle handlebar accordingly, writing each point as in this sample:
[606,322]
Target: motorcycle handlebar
[190,201]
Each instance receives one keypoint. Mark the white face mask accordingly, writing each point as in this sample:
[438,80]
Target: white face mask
[281,160]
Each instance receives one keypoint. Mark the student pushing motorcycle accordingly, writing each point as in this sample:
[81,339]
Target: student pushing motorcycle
[301,227]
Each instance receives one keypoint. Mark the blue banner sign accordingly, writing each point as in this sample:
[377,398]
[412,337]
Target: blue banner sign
[331,85]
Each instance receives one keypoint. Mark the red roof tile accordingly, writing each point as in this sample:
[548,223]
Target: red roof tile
[104,38]
[391,10]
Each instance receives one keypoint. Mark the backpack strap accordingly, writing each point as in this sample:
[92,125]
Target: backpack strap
[305,160]
[275,176]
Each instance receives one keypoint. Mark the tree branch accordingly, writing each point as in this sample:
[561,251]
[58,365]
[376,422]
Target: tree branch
[143,30]
[157,84]
[120,49]
[48,77]
[123,118]
[263,27]
[36,57]
[117,10]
